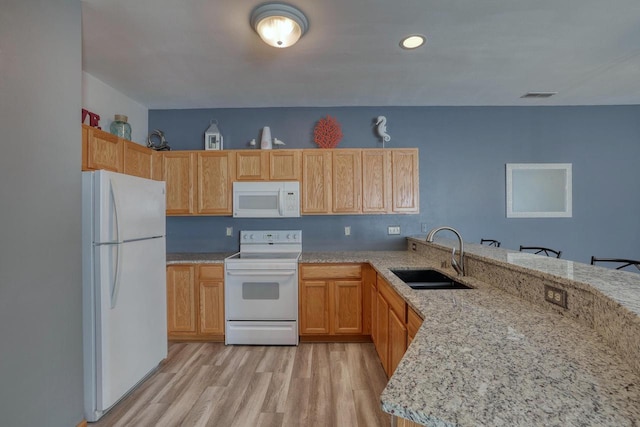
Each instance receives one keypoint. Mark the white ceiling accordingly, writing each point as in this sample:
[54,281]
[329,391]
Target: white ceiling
[204,54]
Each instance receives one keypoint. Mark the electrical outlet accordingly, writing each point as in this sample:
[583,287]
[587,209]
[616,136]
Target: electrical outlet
[424,227]
[555,296]
[229,231]
[347,230]
[413,247]
[393,229]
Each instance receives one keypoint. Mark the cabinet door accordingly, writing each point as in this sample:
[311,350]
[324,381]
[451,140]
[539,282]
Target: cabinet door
[284,165]
[157,165]
[347,307]
[211,307]
[179,174]
[382,329]
[104,151]
[397,341]
[405,182]
[211,299]
[347,181]
[252,165]
[376,181]
[181,300]
[316,182]
[314,307]
[215,174]
[137,160]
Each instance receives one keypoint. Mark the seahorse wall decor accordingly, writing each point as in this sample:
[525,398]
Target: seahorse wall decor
[381,123]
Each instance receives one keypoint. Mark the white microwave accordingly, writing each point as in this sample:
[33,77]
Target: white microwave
[274,199]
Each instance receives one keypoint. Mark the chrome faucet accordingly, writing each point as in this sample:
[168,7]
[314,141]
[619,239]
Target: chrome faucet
[458,267]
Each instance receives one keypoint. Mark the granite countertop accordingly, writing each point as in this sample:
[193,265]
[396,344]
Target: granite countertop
[197,257]
[485,357]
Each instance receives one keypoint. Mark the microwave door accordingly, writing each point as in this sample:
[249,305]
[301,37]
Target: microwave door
[257,204]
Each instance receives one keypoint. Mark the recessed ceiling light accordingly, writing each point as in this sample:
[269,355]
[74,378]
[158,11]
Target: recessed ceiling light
[412,41]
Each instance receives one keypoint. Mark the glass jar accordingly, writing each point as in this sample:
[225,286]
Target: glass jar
[120,127]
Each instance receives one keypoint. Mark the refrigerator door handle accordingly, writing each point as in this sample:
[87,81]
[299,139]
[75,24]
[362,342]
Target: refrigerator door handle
[116,276]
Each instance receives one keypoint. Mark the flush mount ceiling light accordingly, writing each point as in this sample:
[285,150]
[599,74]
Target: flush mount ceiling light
[413,41]
[278,24]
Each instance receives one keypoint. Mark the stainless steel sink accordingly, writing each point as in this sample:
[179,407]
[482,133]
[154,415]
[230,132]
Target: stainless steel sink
[428,279]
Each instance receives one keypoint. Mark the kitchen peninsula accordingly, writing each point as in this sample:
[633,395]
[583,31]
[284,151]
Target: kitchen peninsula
[499,354]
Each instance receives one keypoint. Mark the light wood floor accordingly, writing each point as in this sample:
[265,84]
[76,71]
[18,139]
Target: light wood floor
[210,384]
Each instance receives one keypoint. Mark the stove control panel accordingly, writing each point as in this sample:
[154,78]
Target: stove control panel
[272,237]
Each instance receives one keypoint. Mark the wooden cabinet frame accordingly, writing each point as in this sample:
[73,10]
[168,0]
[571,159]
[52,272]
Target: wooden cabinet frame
[331,301]
[195,302]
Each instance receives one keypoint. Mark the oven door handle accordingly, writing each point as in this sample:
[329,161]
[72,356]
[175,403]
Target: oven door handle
[261,273]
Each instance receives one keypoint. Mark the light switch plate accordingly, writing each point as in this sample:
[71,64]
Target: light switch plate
[393,229]
[229,231]
[347,230]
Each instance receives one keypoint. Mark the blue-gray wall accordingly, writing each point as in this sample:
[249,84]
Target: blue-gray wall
[40,254]
[463,152]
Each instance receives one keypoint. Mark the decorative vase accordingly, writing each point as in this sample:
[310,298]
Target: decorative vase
[120,127]
[265,141]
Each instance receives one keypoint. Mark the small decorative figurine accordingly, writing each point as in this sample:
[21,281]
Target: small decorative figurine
[327,133]
[162,142]
[381,123]
[276,142]
[252,143]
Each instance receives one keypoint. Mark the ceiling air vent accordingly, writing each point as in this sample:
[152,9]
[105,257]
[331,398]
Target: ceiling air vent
[538,94]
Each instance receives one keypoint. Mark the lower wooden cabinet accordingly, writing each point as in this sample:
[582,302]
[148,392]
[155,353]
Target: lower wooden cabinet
[331,299]
[181,300]
[397,340]
[394,325]
[195,302]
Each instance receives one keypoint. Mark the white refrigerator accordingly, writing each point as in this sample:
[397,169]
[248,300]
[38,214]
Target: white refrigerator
[124,285]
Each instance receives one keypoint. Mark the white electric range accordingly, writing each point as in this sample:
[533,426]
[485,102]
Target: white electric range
[261,288]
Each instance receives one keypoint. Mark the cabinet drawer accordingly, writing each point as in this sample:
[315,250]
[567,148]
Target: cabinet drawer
[413,321]
[211,272]
[396,303]
[331,271]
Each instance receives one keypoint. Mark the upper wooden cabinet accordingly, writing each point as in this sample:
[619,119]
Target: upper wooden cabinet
[215,175]
[104,150]
[316,182]
[252,165]
[376,181]
[138,160]
[284,165]
[157,165]
[347,181]
[405,181]
[179,173]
